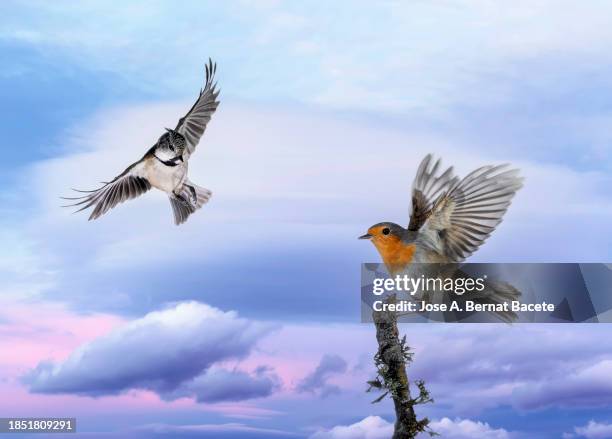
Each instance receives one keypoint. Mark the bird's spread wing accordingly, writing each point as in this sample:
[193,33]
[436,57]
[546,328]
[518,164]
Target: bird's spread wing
[427,187]
[465,215]
[129,184]
[193,124]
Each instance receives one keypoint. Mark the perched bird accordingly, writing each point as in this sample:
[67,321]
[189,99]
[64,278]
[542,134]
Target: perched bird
[164,166]
[450,219]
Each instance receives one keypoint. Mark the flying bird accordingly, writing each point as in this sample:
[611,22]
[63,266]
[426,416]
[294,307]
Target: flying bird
[450,219]
[164,166]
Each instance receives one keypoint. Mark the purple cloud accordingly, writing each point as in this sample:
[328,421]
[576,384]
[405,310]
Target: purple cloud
[485,367]
[159,352]
[316,381]
[221,385]
[589,386]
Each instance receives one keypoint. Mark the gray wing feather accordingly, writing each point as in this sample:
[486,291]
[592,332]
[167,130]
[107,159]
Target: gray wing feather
[464,217]
[193,124]
[129,184]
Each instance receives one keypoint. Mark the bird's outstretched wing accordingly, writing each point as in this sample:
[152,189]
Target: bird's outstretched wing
[129,184]
[466,213]
[193,124]
[427,187]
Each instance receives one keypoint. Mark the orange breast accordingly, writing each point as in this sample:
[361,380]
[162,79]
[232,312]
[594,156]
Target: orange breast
[395,254]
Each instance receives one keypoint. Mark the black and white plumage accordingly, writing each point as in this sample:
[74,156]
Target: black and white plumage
[164,166]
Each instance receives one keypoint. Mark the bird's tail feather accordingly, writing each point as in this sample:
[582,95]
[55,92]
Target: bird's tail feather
[190,199]
[494,292]
[499,293]
[202,195]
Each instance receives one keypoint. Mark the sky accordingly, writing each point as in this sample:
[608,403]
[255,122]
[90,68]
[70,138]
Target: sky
[244,322]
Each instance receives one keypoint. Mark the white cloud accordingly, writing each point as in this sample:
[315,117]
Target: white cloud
[467,429]
[375,427]
[474,53]
[313,158]
[594,430]
[372,427]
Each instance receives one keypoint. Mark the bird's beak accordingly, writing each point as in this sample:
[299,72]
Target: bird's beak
[366,236]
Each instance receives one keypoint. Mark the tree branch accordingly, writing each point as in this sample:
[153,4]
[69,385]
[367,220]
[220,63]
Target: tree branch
[391,359]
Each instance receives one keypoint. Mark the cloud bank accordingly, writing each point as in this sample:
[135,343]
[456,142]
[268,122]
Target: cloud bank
[161,352]
[375,427]
[527,376]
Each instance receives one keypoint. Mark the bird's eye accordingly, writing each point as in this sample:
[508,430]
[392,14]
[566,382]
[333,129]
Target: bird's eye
[386,231]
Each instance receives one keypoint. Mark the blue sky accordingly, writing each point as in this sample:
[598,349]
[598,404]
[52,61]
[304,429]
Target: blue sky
[326,110]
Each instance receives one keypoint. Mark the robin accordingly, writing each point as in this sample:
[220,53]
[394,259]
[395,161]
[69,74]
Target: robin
[165,164]
[450,219]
